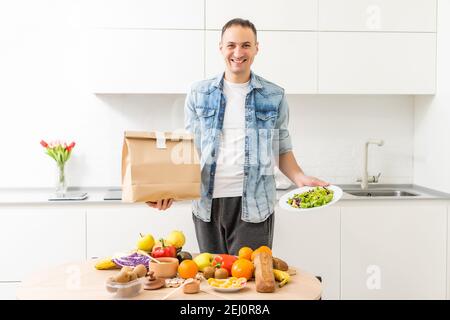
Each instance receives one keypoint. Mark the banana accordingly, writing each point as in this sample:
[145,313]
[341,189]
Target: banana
[281,276]
[105,264]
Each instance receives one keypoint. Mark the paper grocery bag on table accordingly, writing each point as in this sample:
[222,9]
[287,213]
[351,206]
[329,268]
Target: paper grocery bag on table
[159,165]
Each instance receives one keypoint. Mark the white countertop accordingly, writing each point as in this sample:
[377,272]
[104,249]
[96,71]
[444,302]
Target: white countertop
[20,196]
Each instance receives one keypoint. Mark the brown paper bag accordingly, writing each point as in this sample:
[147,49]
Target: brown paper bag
[157,165]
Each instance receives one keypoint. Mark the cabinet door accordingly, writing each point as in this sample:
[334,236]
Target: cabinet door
[145,61]
[31,239]
[311,242]
[386,63]
[448,254]
[393,251]
[377,15]
[265,14]
[288,59]
[168,14]
[113,230]
[8,290]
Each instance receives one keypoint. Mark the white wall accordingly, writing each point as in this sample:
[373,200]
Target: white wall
[432,117]
[44,95]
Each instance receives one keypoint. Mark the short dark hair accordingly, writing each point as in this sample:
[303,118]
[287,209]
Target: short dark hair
[239,22]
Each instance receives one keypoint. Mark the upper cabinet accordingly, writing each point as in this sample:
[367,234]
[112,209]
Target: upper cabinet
[377,63]
[168,14]
[305,46]
[377,15]
[265,14]
[288,59]
[145,61]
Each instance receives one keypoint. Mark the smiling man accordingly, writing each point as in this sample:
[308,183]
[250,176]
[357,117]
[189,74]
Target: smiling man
[239,121]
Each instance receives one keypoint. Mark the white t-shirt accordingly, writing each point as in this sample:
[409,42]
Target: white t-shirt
[229,177]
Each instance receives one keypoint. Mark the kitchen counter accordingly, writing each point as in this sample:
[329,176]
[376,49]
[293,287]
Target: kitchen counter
[23,196]
[11,196]
[80,280]
[422,192]
[35,196]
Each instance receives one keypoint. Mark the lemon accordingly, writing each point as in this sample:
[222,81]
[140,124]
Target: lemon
[176,238]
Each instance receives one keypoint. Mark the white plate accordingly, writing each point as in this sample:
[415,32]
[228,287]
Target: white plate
[284,205]
[228,289]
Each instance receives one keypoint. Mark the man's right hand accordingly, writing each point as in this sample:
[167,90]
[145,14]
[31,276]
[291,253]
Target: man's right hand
[160,204]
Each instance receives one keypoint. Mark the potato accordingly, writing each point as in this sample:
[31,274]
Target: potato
[140,270]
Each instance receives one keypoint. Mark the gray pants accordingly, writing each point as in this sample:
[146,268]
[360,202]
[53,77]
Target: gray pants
[227,232]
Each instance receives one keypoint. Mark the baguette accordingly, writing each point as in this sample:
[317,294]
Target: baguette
[264,278]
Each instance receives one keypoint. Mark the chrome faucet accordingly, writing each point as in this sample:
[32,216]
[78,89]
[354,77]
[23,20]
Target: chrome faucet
[365,180]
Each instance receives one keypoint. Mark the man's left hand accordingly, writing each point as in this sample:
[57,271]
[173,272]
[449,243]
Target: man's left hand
[311,182]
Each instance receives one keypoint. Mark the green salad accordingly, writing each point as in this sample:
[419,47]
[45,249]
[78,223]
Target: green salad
[316,197]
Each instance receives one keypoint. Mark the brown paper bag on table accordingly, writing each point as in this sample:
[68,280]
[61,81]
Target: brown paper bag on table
[159,165]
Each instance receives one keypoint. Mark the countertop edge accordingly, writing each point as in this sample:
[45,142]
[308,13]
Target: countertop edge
[39,196]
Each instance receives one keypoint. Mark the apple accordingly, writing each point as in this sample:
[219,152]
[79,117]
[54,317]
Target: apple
[203,260]
[146,243]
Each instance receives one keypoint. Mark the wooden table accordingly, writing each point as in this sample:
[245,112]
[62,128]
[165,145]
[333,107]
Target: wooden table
[81,281]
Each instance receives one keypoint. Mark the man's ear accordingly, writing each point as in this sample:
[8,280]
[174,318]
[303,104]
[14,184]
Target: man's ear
[257,46]
[220,45]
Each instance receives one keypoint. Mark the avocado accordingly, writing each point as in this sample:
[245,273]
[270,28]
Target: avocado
[184,255]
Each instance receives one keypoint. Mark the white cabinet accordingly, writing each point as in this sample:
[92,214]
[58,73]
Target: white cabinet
[265,14]
[448,254]
[33,238]
[167,14]
[288,59]
[372,63]
[113,229]
[377,15]
[310,242]
[393,250]
[145,61]
[8,290]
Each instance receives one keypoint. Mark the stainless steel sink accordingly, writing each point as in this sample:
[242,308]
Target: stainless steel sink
[381,193]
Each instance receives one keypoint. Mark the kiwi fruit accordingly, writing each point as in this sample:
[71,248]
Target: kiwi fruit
[122,277]
[140,270]
[221,273]
[208,272]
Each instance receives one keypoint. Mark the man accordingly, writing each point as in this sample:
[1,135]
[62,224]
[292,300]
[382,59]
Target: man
[239,121]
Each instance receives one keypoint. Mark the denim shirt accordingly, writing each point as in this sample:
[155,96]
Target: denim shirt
[267,137]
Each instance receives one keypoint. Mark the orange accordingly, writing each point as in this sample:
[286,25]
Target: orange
[242,268]
[259,250]
[187,269]
[245,253]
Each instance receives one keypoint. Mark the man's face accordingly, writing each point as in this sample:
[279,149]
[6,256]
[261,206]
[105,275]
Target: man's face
[239,48]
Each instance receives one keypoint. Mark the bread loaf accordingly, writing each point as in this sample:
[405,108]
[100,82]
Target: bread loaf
[264,278]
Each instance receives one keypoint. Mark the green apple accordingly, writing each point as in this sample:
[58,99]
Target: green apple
[146,243]
[203,260]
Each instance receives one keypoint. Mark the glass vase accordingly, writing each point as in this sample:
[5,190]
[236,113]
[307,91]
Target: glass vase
[61,183]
